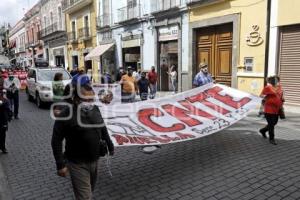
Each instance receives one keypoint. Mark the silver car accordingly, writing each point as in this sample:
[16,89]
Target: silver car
[39,84]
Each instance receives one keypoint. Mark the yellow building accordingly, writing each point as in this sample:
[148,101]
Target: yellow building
[230,35]
[81,29]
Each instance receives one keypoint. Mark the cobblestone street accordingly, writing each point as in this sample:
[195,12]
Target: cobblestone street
[236,163]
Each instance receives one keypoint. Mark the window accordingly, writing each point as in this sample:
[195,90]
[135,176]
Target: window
[248,63]
[51,18]
[45,22]
[59,18]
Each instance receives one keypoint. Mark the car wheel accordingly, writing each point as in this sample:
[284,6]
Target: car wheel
[29,97]
[38,100]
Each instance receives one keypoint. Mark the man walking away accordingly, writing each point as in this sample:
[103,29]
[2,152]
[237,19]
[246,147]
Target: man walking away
[129,87]
[4,118]
[12,85]
[84,134]
[203,77]
[152,77]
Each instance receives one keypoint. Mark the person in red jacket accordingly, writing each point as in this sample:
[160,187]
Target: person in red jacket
[273,95]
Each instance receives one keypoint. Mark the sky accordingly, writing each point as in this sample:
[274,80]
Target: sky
[11,11]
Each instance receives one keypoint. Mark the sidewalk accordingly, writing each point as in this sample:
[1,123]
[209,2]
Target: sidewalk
[5,192]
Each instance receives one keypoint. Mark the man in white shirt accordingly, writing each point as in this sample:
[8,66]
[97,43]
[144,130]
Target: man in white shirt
[12,85]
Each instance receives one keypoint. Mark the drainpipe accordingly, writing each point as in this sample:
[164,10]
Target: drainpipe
[268,26]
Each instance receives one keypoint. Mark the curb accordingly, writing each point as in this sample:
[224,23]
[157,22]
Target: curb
[5,192]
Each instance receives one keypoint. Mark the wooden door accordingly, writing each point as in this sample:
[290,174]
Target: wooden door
[214,47]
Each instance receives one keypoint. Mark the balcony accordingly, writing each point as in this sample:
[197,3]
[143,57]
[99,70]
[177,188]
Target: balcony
[104,21]
[49,30]
[72,36]
[129,13]
[71,6]
[84,33]
[165,5]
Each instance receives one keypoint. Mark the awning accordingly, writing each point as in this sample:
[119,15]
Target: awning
[98,51]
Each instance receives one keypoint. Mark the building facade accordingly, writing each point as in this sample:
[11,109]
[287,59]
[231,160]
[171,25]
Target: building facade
[230,36]
[142,34]
[17,44]
[81,30]
[33,43]
[53,33]
[284,49]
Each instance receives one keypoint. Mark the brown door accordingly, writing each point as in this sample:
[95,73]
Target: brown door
[289,63]
[214,47]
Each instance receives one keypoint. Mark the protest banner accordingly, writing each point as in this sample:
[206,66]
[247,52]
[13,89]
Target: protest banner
[189,115]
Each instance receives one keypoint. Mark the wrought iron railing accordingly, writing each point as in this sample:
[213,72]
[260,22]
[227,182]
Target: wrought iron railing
[72,36]
[162,5]
[104,20]
[129,12]
[84,33]
[49,30]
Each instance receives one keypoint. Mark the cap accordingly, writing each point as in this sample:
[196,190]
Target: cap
[202,65]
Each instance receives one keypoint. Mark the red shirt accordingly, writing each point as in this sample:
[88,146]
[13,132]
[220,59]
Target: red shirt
[152,76]
[273,99]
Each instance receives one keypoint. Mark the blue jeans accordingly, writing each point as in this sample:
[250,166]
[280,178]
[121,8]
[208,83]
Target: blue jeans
[174,84]
[153,89]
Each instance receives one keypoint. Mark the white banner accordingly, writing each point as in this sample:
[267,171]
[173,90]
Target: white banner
[107,94]
[185,116]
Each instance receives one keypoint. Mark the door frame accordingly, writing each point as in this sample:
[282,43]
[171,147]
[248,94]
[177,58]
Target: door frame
[194,26]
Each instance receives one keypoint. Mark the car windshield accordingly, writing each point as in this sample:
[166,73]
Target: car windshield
[48,75]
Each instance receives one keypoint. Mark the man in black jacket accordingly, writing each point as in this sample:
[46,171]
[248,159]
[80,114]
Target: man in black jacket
[4,118]
[82,134]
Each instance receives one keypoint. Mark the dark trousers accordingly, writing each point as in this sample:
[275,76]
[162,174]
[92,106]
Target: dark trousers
[272,120]
[2,138]
[84,178]
[14,103]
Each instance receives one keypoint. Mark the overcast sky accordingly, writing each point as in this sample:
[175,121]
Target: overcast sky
[13,10]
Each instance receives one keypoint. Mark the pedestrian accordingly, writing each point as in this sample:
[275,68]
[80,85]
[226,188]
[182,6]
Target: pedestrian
[203,77]
[86,139]
[152,77]
[81,77]
[74,71]
[120,74]
[143,85]
[1,80]
[173,78]
[12,86]
[4,119]
[58,88]
[273,96]
[129,87]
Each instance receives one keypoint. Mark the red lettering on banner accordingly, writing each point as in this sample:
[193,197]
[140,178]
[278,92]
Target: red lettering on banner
[121,140]
[184,136]
[202,99]
[184,115]
[226,99]
[145,115]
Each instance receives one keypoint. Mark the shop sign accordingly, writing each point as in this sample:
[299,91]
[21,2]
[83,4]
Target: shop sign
[131,43]
[168,33]
[132,57]
[58,52]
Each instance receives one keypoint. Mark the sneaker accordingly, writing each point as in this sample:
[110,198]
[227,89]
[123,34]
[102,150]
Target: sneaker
[4,151]
[263,133]
[273,142]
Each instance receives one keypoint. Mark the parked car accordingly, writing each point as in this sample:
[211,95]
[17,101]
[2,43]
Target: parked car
[39,84]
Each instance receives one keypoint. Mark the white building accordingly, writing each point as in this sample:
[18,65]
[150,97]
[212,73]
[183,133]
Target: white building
[53,32]
[142,34]
[17,44]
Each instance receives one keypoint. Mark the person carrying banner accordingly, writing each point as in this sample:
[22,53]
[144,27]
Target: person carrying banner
[86,139]
[4,119]
[12,85]
[129,87]
[203,77]
[273,96]
[152,77]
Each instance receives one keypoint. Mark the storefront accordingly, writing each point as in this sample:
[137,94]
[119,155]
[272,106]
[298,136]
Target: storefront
[131,50]
[168,55]
[59,57]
